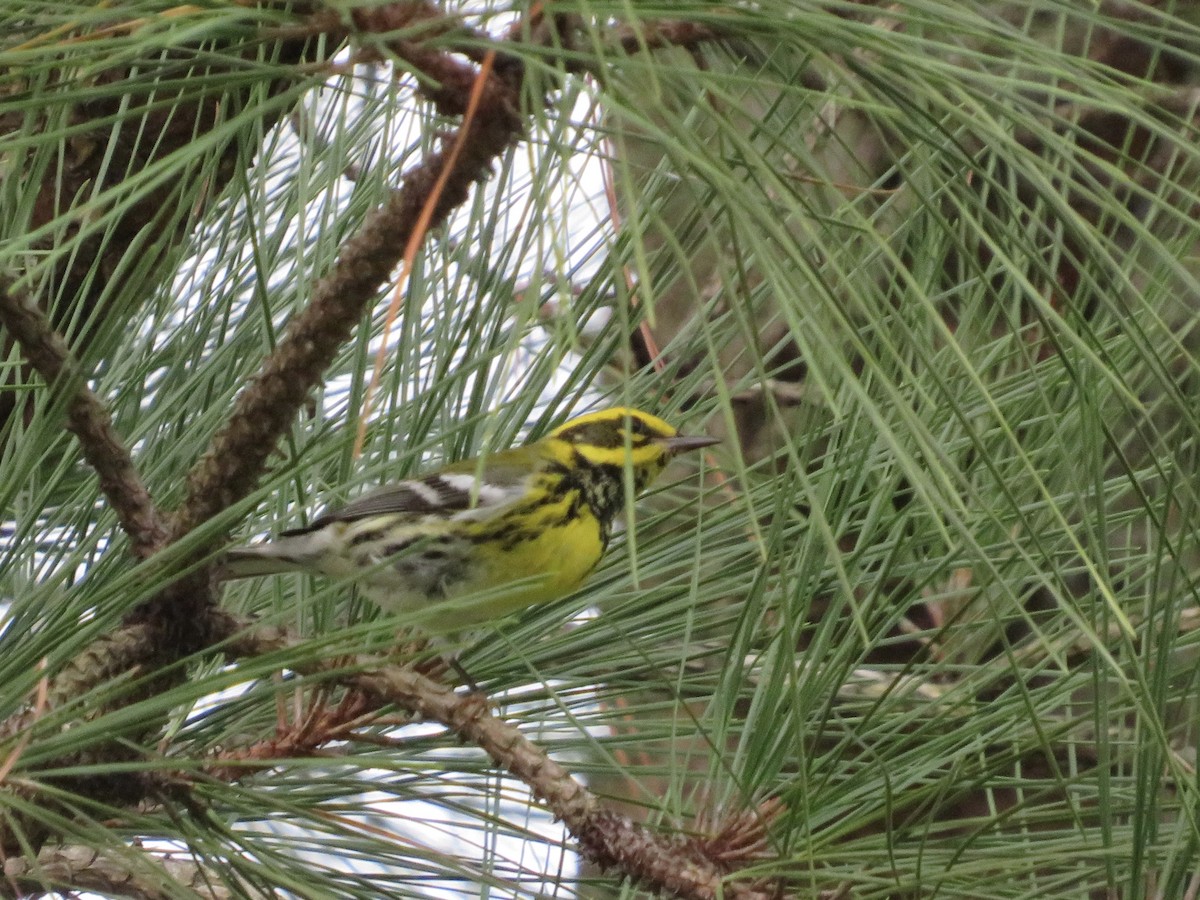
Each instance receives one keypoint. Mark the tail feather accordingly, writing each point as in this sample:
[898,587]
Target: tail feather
[265,559]
[250,563]
[295,553]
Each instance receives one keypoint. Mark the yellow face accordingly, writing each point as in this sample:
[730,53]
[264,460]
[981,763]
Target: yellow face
[622,438]
[619,437]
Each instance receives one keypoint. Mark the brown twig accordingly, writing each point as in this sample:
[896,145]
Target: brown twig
[130,651]
[321,726]
[235,459]
[87,419]
[237,455]
[87,263]
[673,864]
[664,33]
[77,868]
[676,864]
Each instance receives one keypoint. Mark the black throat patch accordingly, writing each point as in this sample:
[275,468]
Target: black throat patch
[600,487]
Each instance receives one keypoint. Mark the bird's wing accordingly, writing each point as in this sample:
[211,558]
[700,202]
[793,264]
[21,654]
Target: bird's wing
[454,489]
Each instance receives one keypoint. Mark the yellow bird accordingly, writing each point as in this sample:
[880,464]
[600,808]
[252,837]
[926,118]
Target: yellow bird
[480,540]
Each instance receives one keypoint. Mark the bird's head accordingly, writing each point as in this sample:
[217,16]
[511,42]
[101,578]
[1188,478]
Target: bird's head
[622,438]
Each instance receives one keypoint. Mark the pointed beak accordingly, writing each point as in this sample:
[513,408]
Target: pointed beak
[681,443]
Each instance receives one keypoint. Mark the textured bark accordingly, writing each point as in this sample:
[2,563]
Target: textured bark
[96,157]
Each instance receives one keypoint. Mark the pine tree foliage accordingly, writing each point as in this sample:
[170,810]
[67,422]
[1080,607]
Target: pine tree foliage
[923,625]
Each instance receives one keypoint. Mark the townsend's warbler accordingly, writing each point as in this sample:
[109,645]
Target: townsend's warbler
[483,538]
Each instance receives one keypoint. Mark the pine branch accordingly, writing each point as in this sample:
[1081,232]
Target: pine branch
[87,419]
[83,868]
[679,865]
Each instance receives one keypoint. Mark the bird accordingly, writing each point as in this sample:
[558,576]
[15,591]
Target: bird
[483,539]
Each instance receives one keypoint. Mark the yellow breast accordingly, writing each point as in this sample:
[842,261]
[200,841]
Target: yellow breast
[544,553]
[488,569]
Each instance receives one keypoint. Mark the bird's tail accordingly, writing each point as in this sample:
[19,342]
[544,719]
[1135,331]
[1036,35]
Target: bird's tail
[283,555]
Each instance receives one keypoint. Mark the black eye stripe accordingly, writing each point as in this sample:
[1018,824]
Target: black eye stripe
[611,434]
